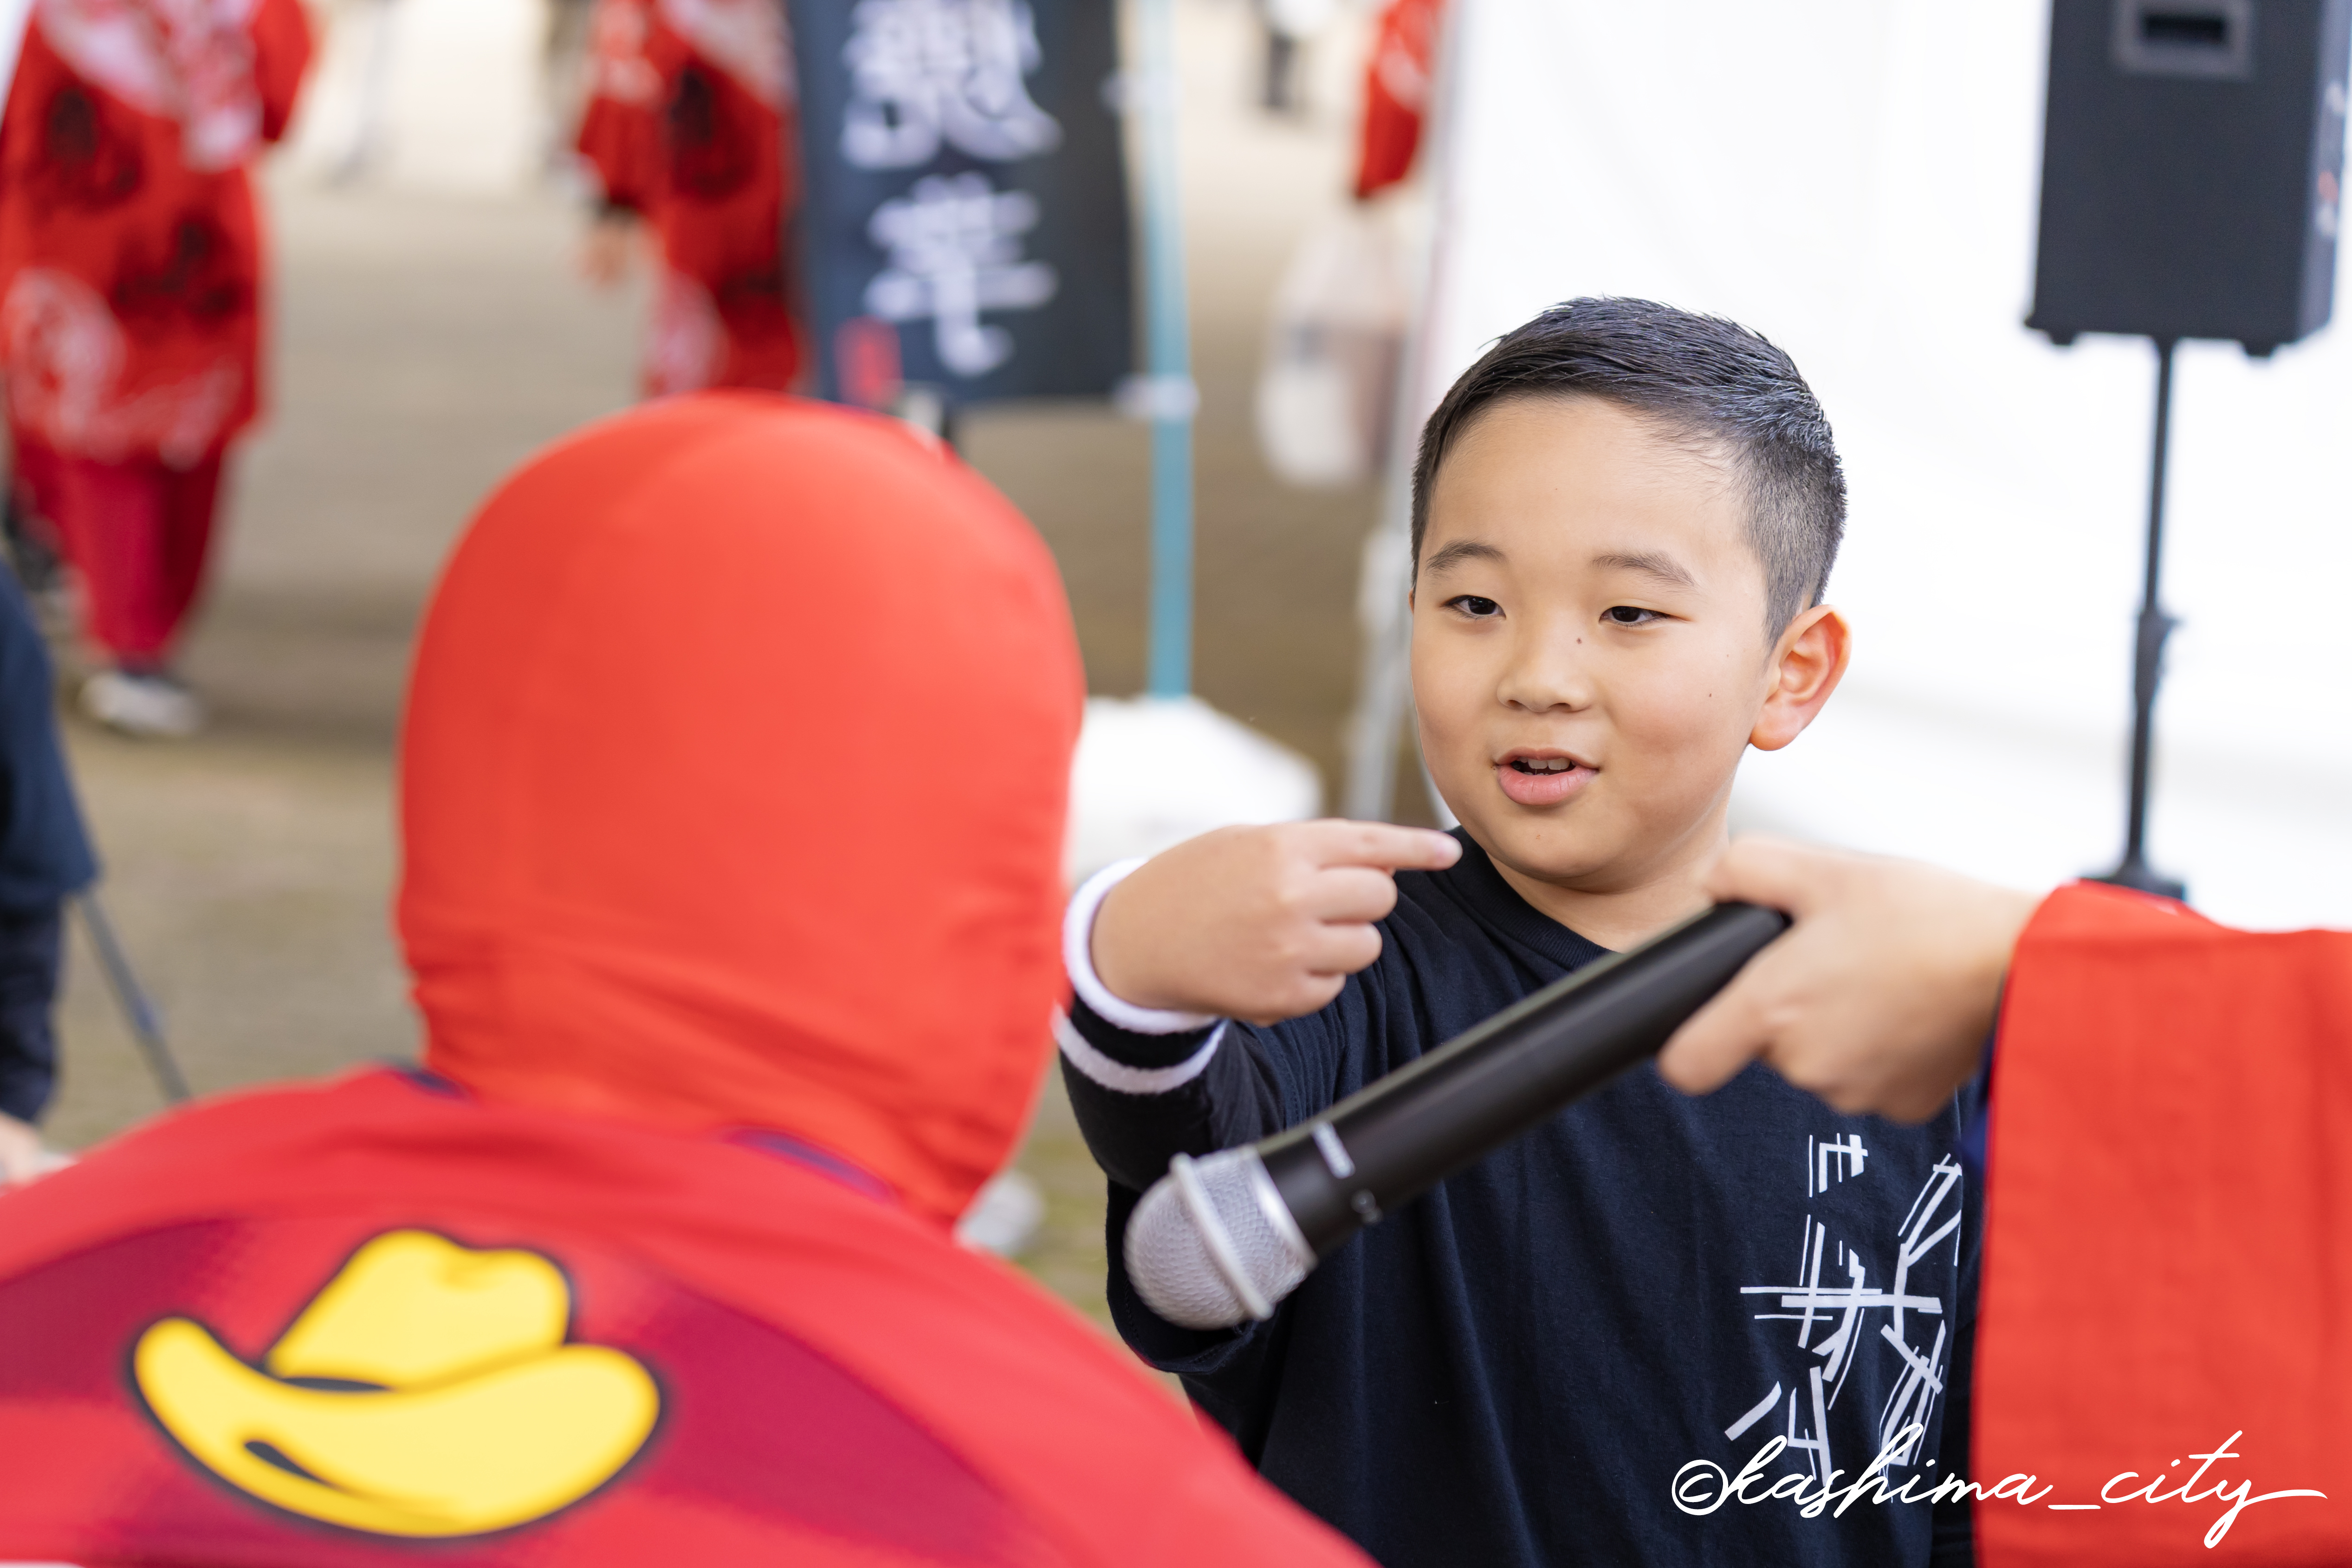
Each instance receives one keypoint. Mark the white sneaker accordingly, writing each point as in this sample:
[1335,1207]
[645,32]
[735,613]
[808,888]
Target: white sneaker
[23,1156]
[151,707]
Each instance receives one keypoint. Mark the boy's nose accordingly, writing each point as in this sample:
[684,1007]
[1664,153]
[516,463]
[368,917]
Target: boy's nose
[1547,672]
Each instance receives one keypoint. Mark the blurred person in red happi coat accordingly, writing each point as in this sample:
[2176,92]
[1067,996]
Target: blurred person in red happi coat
[131,284]
[689,111]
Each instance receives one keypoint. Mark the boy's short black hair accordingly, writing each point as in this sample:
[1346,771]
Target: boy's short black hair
[1701,377]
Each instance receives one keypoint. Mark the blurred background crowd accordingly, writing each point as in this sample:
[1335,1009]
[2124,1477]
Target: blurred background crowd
[446,284]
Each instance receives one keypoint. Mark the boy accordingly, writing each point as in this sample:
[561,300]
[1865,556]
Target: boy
[1624,519]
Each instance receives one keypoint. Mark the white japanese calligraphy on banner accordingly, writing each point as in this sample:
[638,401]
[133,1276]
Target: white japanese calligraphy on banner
[925,72]
[955,251]
[965,216]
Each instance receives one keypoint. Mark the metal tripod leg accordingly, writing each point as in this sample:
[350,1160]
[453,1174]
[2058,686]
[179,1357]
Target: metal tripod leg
[146,1023]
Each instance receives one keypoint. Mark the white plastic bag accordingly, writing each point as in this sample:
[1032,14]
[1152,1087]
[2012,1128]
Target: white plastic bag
[1300,18]
[1156,771]
[1333,344]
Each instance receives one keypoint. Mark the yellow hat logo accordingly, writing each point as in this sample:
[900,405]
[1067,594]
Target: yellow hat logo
[427,1391]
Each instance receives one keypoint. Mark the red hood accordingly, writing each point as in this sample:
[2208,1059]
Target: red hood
[733,779]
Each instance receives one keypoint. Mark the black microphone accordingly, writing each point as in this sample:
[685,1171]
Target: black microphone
[1228,1235]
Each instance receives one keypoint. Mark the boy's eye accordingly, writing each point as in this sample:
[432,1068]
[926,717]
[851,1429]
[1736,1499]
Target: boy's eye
[1627,616]
[1471,604]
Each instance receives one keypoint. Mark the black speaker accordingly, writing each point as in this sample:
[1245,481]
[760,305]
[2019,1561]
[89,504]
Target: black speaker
[2192,167]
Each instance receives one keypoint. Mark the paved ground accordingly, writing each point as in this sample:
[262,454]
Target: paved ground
[425,345]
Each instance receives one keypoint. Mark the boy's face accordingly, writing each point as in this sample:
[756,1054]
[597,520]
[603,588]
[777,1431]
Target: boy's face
[1588,659]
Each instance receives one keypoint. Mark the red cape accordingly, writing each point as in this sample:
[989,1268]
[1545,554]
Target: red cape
[839,1384]
[2168,1252]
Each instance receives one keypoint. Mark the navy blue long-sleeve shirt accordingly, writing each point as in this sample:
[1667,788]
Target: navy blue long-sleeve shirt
[44,856]
[1516,1368]
[44,853]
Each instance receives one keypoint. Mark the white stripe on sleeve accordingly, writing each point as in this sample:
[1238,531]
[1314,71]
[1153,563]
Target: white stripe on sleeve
[1078,958]
[1121,1079]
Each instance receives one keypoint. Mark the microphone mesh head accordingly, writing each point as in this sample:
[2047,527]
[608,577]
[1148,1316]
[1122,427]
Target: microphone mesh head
[1173,1243]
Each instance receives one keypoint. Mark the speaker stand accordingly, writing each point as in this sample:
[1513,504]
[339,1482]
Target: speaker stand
[2148,663]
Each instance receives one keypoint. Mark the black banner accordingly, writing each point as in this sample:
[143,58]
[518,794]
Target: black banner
[964,217]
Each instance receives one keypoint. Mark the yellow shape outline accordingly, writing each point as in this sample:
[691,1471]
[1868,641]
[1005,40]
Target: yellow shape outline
[496,1421]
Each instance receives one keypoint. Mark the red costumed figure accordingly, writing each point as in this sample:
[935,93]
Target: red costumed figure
[689,109]
[130,286]
[733,782]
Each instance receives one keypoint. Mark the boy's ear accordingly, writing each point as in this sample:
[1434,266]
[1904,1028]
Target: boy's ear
[1807,664]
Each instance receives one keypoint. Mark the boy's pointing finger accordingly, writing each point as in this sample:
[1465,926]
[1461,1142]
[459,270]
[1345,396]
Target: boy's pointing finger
[1338,842]
[1351,894]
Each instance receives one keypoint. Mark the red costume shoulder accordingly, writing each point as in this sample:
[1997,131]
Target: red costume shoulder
[2166,1256]
[651,1348]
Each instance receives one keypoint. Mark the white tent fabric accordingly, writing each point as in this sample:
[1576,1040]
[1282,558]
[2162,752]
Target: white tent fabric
[1857,179]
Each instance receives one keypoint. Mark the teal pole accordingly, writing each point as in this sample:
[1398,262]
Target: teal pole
[1170,394]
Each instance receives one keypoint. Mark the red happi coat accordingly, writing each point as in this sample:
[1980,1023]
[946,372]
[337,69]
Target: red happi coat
[687,116]
[131,264]
[2166,1315]
[732,789]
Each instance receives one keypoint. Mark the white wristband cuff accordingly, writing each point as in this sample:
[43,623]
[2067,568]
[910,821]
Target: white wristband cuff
[1121,1079]
[1077,957]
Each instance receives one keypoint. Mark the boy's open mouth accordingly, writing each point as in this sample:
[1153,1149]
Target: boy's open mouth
[1543,778]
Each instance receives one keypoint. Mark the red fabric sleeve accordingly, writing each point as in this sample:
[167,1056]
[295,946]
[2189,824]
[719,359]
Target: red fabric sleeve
[2168,1247]
[620,129]
[622,142]
[281,50]
[1396,93]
